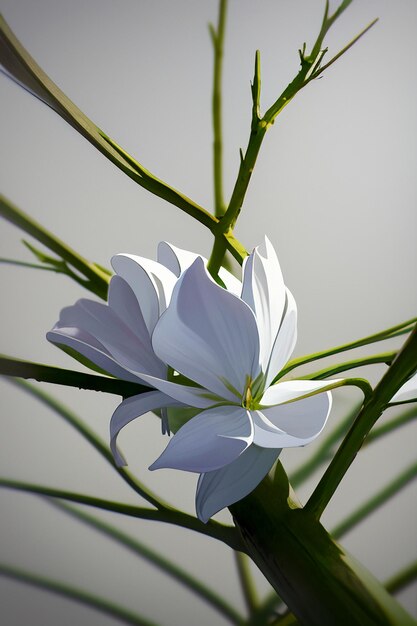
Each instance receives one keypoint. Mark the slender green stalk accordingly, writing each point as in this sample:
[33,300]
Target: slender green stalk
[226,534]
[96,281]
[166,566]
[217,38]
[92,438]
[34,266]
[376,501]
[389,333]
[386,357]
[79,595]
[398,373]
[310,65]
[391,425]
[70,378]
[250,595]
[404,578]
[266,610]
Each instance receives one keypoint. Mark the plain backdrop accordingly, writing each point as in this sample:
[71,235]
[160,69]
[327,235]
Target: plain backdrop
[334,189]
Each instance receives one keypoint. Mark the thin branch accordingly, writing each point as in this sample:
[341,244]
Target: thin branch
[226,534]
[160,562]
[246,583]
[398,373]
[375,501]
[404,578]
[79,595]
[23,69]
[217,37]
[389,333]
[96,279]
[70,378]
[386,357]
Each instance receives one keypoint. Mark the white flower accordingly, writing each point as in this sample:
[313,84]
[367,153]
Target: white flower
[228,346]
[408,391]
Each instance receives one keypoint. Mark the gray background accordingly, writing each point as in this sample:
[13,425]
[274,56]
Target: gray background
[334,189]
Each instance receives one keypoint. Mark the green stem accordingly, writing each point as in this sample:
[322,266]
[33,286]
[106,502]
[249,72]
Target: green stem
[402,579]
[226,534]
[34,266]
[217,37]
[79,595]
[376,501]
[314,576]
[398,373]
[96,280]
[92,438]
[246,583]
[389,333]
[391,425]
[386,357]
[167,567]
[70,378]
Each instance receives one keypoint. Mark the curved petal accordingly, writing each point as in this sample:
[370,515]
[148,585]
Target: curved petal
[91,350]
[123,302]
[225,486]
[208,335]
[178,260]
[210,440]
[264,291]
[151,282]
[127,348]
[290,390]
[130,409]
[293,424]
[193,396]
[285,340]
[407,392]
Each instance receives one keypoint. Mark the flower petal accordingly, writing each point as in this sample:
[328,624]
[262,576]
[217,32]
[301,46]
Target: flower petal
[407,392]
[94,354]
[225,486]
[293,424]
[193,396]
[127,348]
[178,260]
[151,282]
[208,335]
[264,291]
[285,340]
[130,409]
[210,440]
[290,390]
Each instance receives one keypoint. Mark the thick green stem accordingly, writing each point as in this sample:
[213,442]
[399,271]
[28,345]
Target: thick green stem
[317,580]
[79,595]
[403,578]
[401,369]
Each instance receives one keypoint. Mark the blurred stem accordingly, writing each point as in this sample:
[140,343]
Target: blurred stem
[96,281]
[167,567]
[404,365]
[404,578]
[70,378]
[226,534]
[376,501]
[79,595]
[389,333]
[217,37]
[91,437]
[246,582]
